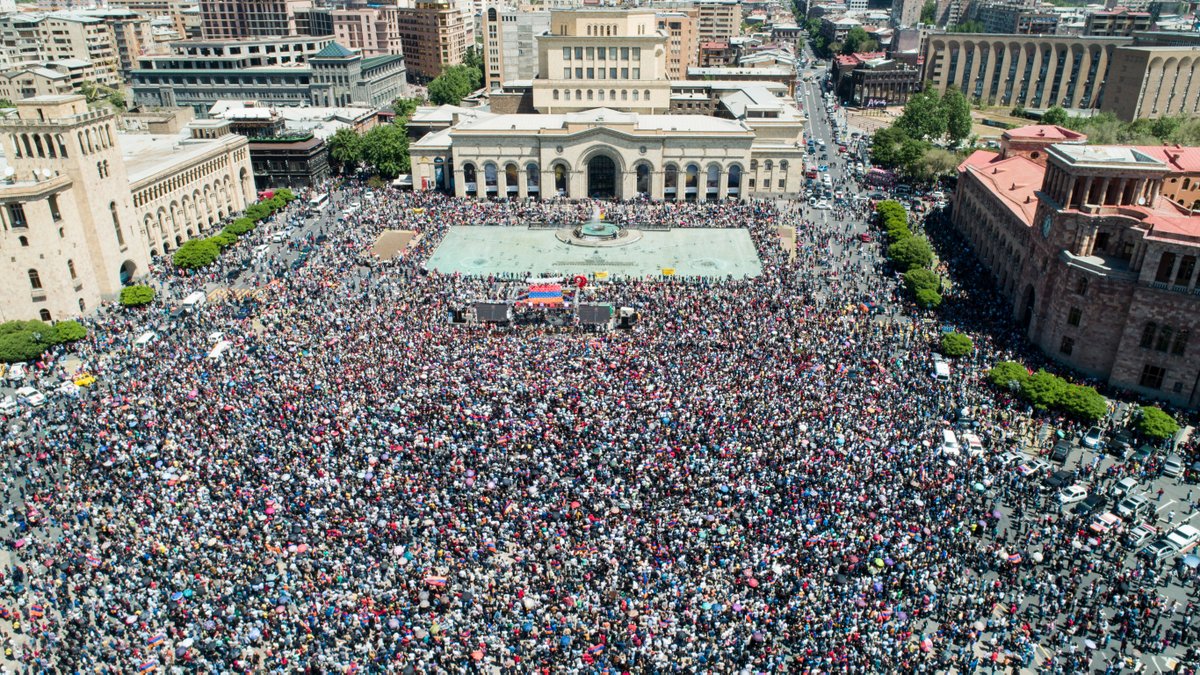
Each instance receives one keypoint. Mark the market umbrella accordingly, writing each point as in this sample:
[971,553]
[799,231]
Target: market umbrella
[1192,561]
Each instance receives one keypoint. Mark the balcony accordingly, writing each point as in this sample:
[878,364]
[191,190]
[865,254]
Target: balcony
[38,295]
[1164,286]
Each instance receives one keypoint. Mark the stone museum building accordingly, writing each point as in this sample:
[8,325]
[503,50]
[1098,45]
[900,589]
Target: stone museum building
[1099,264]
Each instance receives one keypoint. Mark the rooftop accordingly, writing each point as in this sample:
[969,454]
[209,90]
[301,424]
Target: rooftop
[148,154]
[1045,132]
[1014,180]
[1177,157]
[604,117]
[1105,155]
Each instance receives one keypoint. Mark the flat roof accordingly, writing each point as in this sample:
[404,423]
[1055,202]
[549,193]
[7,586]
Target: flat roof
[148,154]
[1105,155]
[603,117]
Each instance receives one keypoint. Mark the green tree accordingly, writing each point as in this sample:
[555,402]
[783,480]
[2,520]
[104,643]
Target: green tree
[1056,115]
[910,252]
[1044,390]
[223,240]
[137,295]
[1018,111]
[955,345]
[967,27]
[919,277]
[885,146]
[196,253]
[935,163]
[387,150]
[405,107]
[240,226]
[858,41]
[20,346]
[924,116]
[450,87]
[911,157]
[66,331]
[1084,403]
[346,148]
[1008,375]
[1155,424]
[473,58]
[929,12]
[958,115]
[927,298]
[6,103]
[286,195]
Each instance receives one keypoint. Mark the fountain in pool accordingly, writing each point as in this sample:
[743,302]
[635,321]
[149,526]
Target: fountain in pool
[597,232]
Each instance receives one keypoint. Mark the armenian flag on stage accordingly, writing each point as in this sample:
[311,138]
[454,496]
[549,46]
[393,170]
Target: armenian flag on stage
[544,295]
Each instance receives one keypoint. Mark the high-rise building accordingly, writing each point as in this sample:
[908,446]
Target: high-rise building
[602,58]
[906,13]
[1010,18]
[1120,21]
[434,33]
[683,43]
[175,10]
[226,19]
[715,19]
[86,45]
[370,30]
[510,43]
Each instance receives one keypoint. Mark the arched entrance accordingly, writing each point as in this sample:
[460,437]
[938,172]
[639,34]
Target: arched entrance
[128,270]
[602,177]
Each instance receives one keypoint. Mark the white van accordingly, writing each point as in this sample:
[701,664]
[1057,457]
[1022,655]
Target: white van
[145,338]
[219,350]
[941,371]
[974,445]
[949,442]
[194,300]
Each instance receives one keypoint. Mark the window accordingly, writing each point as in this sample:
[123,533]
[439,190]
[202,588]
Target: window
[554,95]
[1148,332]
[612,73]
[782,183]
[1180,345]
[637,73]
[1152,377]
[1074,315]
[579,73]
[579,53]
[1067,346]
[566,73]
[45,314]
[1165,333]
[624,53]
[624,73]
[54,212]
[24,241]
[590,51]
[1081,286]
[591,73]
[637,54]
[71,269]
[35,280]
[16,215]
[112,210]
[567,94]
[612,53]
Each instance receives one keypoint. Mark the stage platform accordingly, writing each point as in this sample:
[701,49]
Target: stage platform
[483,250]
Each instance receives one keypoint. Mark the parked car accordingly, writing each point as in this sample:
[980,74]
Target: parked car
[1032,467]
[1121,443]
[1140,534]
[1143,453]
[1173,466]
[1093,438]
[1094,502]
[1184,538]
[31,396]
[1104,523]
[1062,450]
[1160,549]
[16,372]
[1133,507]
[1059,479]
[1125,486]
[8,405]
[1071,494]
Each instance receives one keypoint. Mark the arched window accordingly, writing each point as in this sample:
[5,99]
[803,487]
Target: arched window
[635,94]
[470,183]
[612,94]
[734,179]
[783,165]
[112,210]
[589,94]
[533,178]
[560,179]
[1148,332]
[512,178]
[1187,183]
[671,179]
[692,177]
[24,241]
[35,280]
[45,314]
[82,305]
[567,94]
[71,269]
[713,182]
[490,175]
[643,178]
[1081,286]
[554,95]
[600,94]
[769,165]
[646,95]
[754,165]
[578,94]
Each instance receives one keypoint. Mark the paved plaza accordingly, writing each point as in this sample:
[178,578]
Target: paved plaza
[481,250]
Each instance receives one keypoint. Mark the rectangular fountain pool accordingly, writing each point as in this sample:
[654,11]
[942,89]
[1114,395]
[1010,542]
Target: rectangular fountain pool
[482,250]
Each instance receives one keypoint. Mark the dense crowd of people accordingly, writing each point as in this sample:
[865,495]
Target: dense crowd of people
[748,480]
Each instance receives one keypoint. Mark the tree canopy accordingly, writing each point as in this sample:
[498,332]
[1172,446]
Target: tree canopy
[1154,423]
[386,148]
[346,148]
[911,252]
[454,84]
[1055,115]
[858,41]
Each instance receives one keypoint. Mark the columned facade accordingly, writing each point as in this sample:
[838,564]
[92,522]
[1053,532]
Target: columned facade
[607,155]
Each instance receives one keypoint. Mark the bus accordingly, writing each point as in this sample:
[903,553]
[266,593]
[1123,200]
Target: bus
[318,202]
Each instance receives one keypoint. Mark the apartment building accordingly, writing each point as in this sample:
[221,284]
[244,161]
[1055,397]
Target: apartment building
[231,19]
[434,33]
[510,37]
[683,40]
[1120,21]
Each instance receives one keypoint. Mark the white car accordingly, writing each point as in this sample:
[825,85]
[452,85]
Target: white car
[1183,538]
[1172,466]
[8,405]
[821,204]
[1071,495]
[216,336]
[31,396]
[16,372]
[69,388]
[1094,438]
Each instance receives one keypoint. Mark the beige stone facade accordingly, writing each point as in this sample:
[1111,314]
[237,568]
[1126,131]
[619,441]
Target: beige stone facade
[73,206]
[683,41]
[594,58]
[1012,70]
[1100,268]
[1151,82]
[434,33]
[607,154]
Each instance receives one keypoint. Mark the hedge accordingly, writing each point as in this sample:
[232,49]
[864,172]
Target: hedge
[223,240]
[240,226]
[1047,391]
[910,252]
[27,340]
[137,295]
[196,253]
